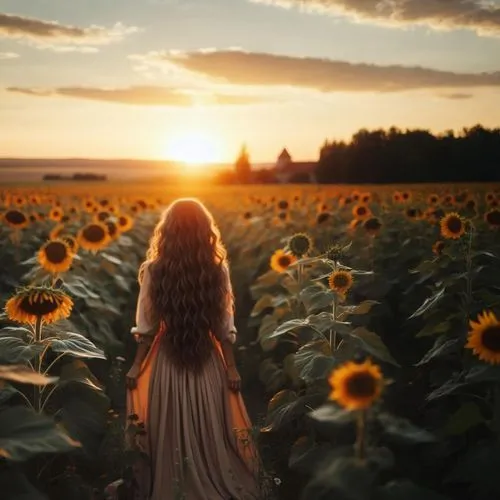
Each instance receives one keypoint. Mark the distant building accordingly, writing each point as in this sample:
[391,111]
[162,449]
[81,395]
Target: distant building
[287,170]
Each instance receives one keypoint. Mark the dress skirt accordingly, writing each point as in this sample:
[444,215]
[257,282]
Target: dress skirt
[195,432]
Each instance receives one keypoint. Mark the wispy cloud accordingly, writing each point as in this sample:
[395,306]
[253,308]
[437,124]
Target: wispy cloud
[8,55]
[142,96]
[325,75]
[457,96]
[59,37]
[481,16]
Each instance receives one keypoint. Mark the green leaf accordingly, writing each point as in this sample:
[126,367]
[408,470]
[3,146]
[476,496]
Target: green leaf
[373,344]
[434,329]
[483,373]
[77,371]
[314,360]
[16,350]
[14,485]
[306,456]
[449,387]
[429,303]
[267,327]
[333,415]
[24,433]
[441,348]
[76,345]
[401,431]
[406,490]
[271,375]
[316,297]
[342,479]
[363,308]
[24,375]
[286,327]
[263,303]
[465,418]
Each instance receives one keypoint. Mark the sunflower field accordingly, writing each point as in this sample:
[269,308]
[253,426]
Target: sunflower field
[369,336]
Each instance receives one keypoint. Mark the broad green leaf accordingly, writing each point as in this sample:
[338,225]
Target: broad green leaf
[77,371]
[24,375]
[17,350]
[401,431]
[343,478]
[434,329]
[271,375]
[373,344]
[76,345]
[306,456]
[14,485]
[441,347]
[429,303]
[363,308]
[449,387]
[333,415]
[24,433]
[465,418]
[406,490]
[263,303]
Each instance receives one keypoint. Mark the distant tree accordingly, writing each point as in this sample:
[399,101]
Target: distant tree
[243,168]
[410,156]
[264,176]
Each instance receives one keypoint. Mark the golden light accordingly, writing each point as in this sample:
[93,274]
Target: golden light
[193,148]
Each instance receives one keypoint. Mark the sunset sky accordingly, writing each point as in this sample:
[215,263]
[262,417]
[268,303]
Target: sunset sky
[157,78]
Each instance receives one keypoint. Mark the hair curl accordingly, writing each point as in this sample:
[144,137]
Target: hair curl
[189,288]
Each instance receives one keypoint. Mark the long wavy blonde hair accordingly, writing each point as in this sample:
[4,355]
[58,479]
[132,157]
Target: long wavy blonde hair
[189,287]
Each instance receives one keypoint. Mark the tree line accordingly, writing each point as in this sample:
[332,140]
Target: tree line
[412,156]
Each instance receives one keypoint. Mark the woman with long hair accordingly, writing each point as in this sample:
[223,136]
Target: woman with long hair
[183,387]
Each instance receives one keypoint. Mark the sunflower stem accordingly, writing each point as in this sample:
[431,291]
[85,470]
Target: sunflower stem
[37,402]
[360,446]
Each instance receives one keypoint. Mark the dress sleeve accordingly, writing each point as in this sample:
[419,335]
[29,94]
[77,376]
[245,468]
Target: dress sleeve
[144,323]
[227,329]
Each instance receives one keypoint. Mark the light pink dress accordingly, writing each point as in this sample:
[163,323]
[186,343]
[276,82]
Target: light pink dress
[196,428]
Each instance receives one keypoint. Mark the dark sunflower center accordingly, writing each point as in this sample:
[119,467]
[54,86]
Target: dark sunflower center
[94,233]
[340,280]
[282,215]
[104,203]
[300,244]
[493,217]
[405,196]
[373,224]
[15,217]
[70,241]
[284,261]
[322,217]
[491,338]
[56,252]
[102,216]
[361,385]
[454,224]
[39,307]
[122,221]
[361,210]
[283,204]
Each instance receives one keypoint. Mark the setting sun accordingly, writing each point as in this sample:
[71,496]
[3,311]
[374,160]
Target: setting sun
[193,148]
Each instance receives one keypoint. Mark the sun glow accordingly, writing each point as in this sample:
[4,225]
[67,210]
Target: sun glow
[193,148]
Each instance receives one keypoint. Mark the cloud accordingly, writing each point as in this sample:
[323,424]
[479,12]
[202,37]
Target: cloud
[8,55]
[141,96]
[457,96]
[59,37]
[481,16]
[324,75]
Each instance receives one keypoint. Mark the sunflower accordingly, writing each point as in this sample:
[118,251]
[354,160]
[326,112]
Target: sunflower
[89,205]
[56,214]
[493,218]
[361,211]
[55,256]
[396,197]
[438,247]
[372,225]
[322,217]
[125,223]
[15,219]
[93,236]
[340,281]
[452,226]
[283,205]
[356,386]
[490,196]
[433,199]
[300,244]
[406,196]
[484,338]
[39,302]
[413,213]
[280,260]
[19,201]
[101,216]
